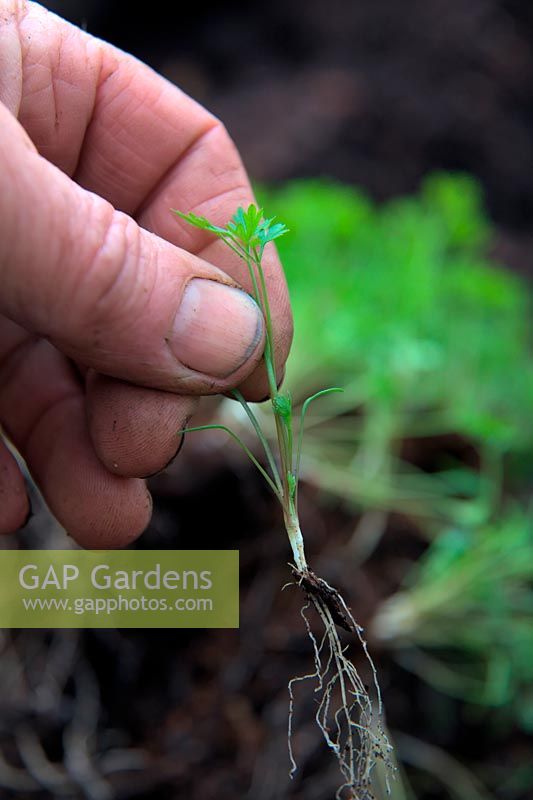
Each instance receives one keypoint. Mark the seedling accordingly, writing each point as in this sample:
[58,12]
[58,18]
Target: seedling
[432,342]
[349,719]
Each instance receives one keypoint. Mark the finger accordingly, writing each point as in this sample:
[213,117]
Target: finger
[194,185]
[14,503]
[132,137]
[111,295]
[45,418]
[92,110]
[135,431]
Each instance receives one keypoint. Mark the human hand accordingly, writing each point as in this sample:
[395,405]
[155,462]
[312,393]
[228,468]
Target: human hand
[113,317]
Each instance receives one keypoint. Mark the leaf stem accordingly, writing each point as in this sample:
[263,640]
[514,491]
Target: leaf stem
[262,438]
[246,449]
[263,303]
[303,412]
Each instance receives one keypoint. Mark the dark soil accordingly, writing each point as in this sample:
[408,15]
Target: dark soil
[372,92]
[206,711]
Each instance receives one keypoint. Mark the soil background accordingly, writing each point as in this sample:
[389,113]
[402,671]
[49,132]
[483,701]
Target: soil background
[372,92]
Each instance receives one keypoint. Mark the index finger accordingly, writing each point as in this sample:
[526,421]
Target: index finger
[210,180]
[127,134]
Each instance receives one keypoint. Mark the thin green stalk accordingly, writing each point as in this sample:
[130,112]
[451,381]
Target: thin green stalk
[262,438]
[238,250]
[246,234]
[269,337]
[265,307]
[303,412]
[253,277]
[246,449]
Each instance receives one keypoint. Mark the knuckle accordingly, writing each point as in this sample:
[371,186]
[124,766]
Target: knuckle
[229,186]
[218,147]
[107,285]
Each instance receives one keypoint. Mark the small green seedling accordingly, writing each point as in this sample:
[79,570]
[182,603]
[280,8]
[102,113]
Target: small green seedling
[350,724]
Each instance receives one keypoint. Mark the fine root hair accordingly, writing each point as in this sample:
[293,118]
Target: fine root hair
[349,714]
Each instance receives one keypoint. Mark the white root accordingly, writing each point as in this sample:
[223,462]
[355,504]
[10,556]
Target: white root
[350,722]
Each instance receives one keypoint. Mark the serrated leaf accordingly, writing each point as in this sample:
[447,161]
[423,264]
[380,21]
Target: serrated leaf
[199,222]
[270,233]
[246,225]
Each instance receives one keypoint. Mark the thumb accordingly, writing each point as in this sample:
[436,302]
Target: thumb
[109,294]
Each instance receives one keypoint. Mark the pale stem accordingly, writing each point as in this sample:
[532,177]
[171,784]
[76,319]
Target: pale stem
[294,533]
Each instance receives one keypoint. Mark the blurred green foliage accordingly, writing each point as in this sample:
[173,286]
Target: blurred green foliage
[402,305]
[403,299]
[469,601]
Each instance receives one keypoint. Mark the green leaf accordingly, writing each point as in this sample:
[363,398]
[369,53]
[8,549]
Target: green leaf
[267,232]
[199,222]
[242,445]
[246,226]
[305,406]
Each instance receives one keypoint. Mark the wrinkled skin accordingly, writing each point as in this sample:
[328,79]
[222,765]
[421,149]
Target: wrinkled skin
[94,150]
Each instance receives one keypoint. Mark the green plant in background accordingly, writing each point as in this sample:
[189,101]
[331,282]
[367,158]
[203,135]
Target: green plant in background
[400,305]
[431,340]
[471,597]
[350,724]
